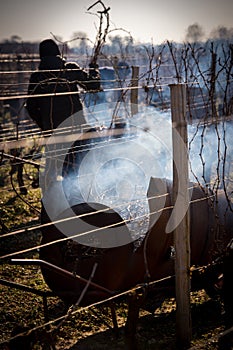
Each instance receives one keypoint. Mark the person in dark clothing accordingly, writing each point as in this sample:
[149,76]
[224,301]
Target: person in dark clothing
[55,75]
[54,79]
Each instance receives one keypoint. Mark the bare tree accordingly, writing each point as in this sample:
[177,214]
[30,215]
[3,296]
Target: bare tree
[222,32]
[194,33]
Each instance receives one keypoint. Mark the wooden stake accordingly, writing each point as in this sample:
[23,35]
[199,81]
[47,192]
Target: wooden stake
[134,92]
[181,231]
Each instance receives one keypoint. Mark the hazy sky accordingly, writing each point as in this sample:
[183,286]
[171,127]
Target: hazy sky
[145,19]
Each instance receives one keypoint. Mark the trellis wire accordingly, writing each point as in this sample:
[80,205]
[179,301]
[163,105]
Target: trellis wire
[85,233]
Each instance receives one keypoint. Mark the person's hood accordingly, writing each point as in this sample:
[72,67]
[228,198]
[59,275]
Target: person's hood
[48,47]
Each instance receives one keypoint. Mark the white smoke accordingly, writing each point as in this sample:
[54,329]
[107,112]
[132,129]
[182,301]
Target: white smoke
[117,168]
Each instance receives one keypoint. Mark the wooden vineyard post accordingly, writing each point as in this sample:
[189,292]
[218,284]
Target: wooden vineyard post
[181,219]
[21,110]
[134,91]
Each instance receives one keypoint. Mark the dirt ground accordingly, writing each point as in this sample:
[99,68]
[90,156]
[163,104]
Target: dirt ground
[91,328]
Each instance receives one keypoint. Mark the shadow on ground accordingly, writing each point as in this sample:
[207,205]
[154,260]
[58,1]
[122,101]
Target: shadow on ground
[157,332]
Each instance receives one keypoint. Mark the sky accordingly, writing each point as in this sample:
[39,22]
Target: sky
[146,20]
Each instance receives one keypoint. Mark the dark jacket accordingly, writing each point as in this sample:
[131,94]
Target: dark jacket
[49,111]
